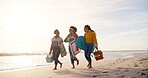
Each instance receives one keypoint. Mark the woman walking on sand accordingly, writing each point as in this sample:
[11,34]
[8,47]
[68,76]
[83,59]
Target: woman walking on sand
[71,38]
[91,41]
[55,47]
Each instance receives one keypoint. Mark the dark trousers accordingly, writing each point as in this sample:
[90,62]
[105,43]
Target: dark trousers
[56,53]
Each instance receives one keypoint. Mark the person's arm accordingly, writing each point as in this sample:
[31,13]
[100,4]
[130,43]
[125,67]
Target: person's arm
[95,40]
[66,39]
[61,41]
[76,36]
[51,48]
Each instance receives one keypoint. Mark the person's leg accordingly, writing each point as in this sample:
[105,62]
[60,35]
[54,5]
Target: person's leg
[60,64]
[56,62]
[72,62]
[75,59]
[89,55]
[86,52]
[57,56]
[55,68]
[71,58]
[54,58]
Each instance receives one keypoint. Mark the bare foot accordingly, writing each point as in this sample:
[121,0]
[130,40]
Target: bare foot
[73,67]
[55,69]
[88,65]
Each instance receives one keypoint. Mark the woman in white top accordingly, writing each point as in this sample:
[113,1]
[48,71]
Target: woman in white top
[55,47]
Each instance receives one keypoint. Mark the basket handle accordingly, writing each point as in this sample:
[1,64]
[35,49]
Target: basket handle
[96,49]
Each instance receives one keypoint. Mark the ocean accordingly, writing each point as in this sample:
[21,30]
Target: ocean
[28,61]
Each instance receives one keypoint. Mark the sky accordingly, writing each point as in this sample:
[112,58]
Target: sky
[28,25]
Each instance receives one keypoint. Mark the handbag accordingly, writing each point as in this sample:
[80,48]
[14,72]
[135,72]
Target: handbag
[98,54]
[49,58]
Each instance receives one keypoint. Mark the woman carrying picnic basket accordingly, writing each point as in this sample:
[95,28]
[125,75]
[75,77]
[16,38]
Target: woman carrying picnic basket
[91,42]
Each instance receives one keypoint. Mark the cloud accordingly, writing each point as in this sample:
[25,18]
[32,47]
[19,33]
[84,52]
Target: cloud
[131,39]
[135,32]
[116,22]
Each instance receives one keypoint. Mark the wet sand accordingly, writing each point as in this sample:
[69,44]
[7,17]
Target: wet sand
[134,67]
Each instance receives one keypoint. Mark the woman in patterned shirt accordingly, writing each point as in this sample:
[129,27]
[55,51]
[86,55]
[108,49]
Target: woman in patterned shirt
[71,38]
[55,47]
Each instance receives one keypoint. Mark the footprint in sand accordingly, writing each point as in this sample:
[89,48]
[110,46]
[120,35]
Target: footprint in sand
[117,73]
[119,68]
[136,65]
[104,72]
[94,76]
[123,76]
[120,76]
[138,72]
[145,70]
[126,70]
[143,74]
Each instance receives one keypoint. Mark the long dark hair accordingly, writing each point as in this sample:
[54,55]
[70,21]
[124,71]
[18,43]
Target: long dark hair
[88,27]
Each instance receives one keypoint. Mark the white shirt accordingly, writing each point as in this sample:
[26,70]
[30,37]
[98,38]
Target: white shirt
[56,41]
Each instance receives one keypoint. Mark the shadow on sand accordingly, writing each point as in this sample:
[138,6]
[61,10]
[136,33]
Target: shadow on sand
[104,73]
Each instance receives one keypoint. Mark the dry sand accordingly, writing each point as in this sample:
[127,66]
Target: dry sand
[135,67]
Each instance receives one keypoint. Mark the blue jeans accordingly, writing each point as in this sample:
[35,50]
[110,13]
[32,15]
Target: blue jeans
[88,49]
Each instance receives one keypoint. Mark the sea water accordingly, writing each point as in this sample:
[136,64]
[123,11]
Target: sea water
[28,61]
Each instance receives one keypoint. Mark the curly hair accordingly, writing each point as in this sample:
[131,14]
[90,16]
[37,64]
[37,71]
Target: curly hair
[73,28]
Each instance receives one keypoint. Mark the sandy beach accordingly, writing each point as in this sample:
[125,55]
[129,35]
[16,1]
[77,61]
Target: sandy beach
[134,67]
